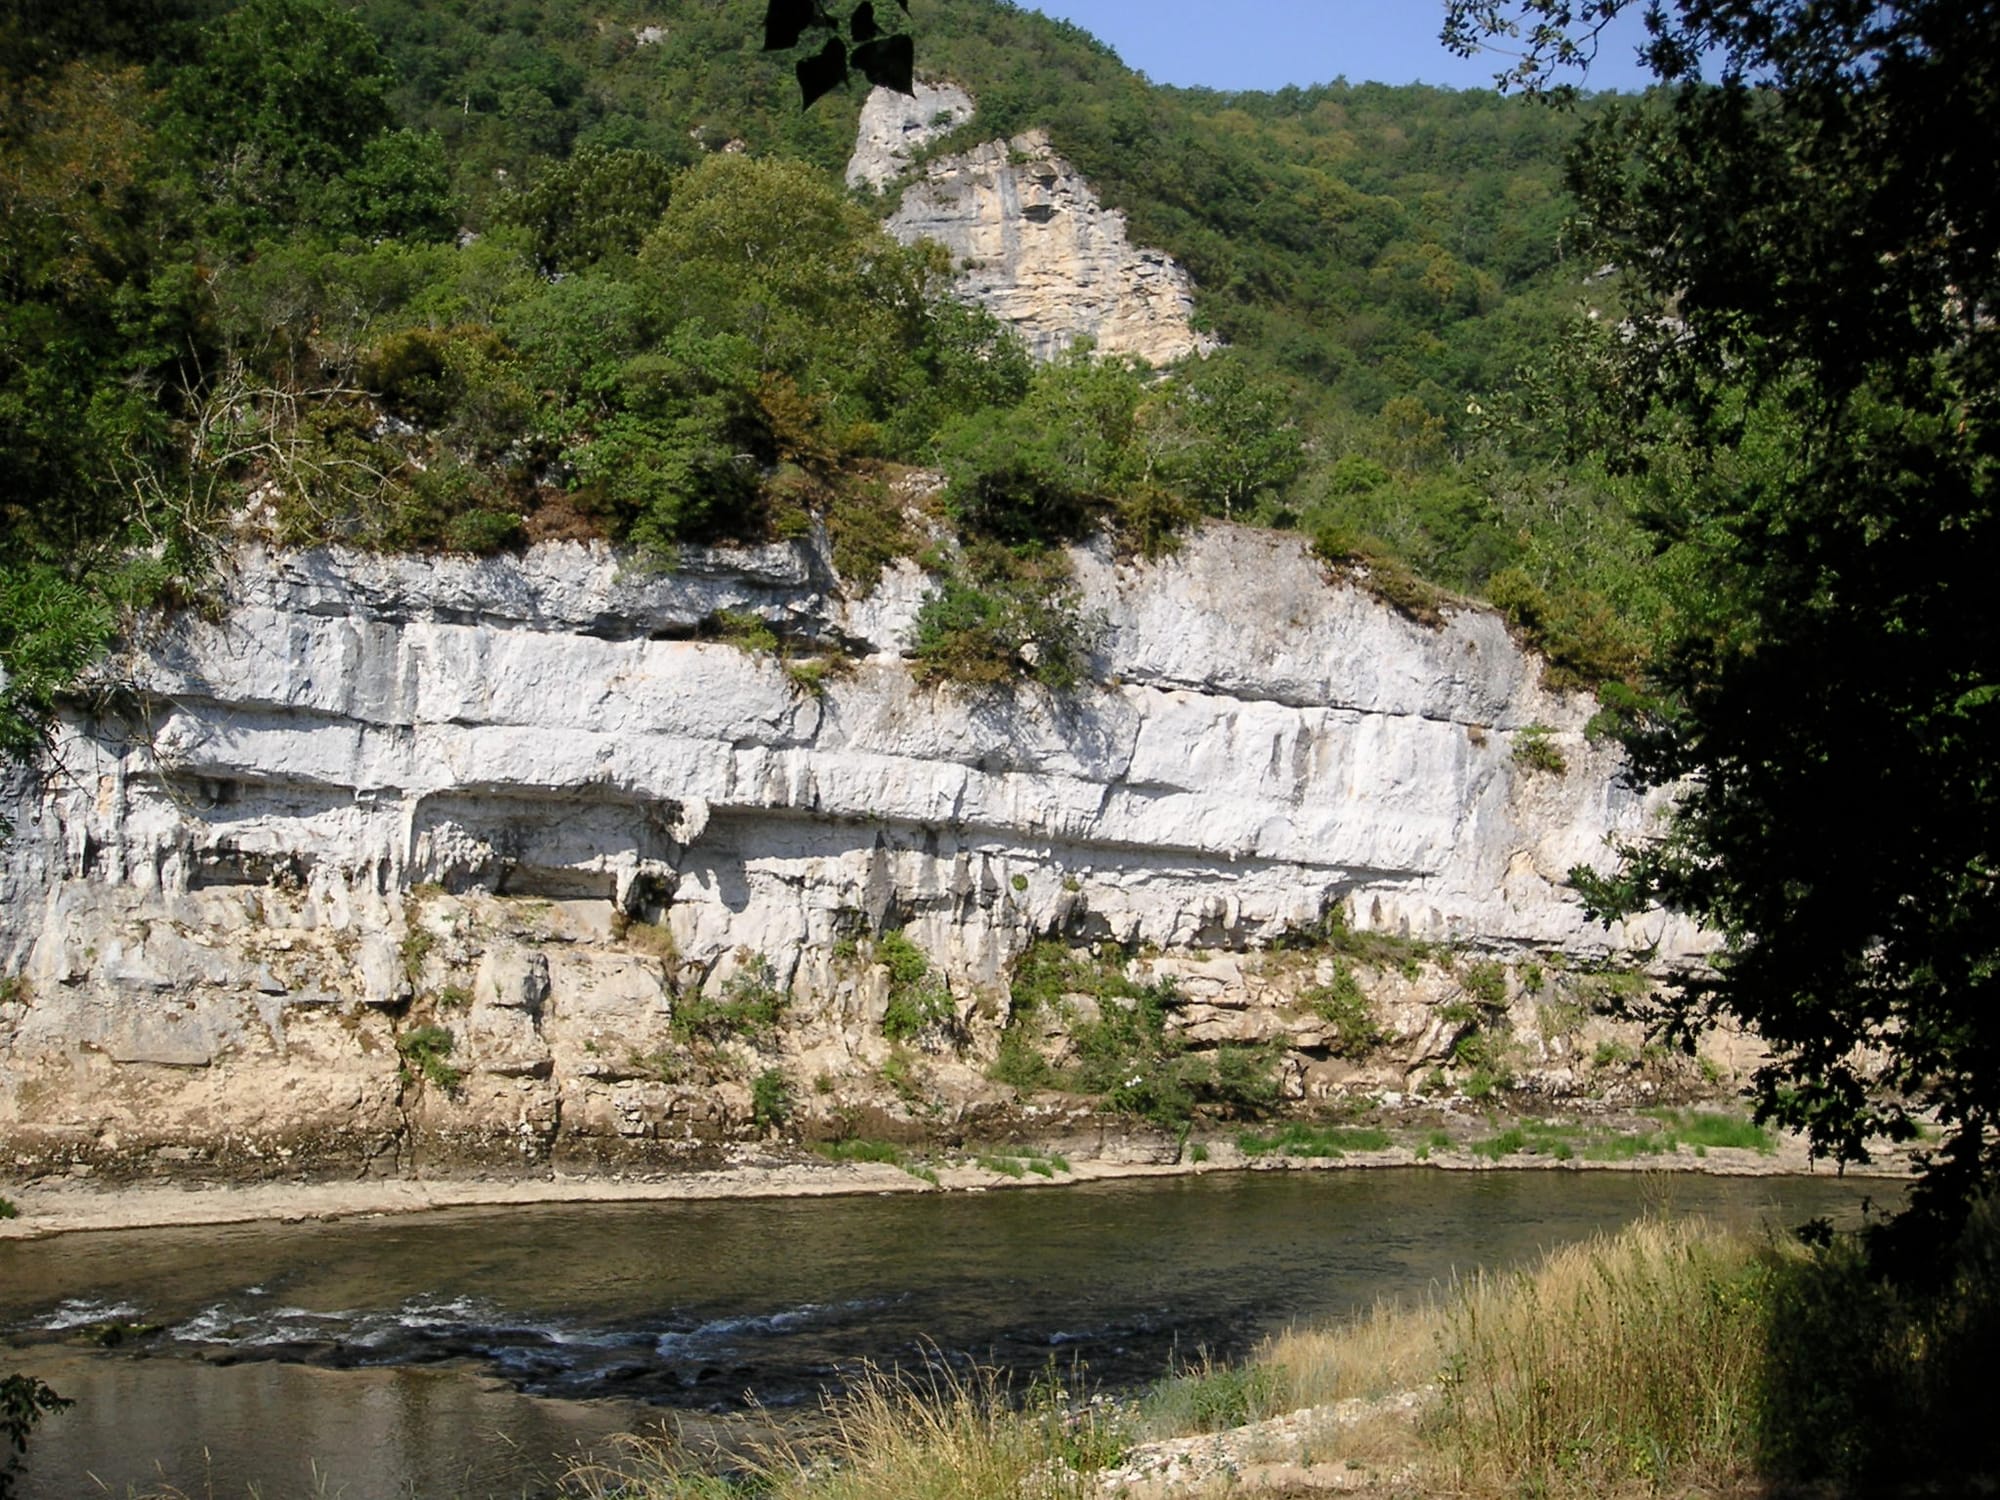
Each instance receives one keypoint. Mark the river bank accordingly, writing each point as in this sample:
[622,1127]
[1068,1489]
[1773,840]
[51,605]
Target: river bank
[54,1206]
[193,1351]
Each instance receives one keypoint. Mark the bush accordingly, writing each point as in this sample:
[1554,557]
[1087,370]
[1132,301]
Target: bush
[1535,748]
[748,1007]
[1022,620]
[1343,1005]
[1212,1398]
[919,1002]
[1019,1063]
[1486,983]
[1584,642]
[770,1099]
[423,1050]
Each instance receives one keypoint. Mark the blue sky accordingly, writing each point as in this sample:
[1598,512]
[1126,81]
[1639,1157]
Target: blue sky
[1266,44]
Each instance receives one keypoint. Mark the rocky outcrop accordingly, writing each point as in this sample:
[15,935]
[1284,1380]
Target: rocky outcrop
[1033,244]
[895,127]
[525,803]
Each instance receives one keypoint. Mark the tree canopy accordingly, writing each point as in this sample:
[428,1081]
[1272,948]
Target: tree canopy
[1807,378]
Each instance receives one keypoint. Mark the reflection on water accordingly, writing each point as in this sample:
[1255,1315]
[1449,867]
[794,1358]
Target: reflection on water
[409,1351]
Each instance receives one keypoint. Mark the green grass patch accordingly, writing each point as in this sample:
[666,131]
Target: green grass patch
[1710,1130]
[1211,1398]
[885,1152]
[1529,1138]
[1299,1138]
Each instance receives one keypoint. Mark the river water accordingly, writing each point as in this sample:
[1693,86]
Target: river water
[463,1353]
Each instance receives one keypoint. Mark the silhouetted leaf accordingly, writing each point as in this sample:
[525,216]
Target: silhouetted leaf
[890,62]
[785,21]
[862,26]
[825,70]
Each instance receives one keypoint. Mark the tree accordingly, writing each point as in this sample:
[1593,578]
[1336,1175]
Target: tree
[886,59]
[1226,435]
[1809,248]
[599,202]
[24,1401]
[282,95]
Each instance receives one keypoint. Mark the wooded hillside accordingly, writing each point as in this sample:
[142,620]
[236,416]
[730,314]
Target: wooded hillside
[437,275]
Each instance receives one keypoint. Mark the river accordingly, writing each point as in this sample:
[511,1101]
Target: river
[464,1353]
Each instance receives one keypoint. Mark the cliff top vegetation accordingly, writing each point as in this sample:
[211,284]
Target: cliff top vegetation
[407,276]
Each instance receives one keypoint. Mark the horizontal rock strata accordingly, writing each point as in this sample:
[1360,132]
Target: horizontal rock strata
[526,796]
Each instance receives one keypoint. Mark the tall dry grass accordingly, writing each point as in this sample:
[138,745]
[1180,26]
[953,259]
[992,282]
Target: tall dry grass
[944,1437]
[1632,1359]
[1668,1357]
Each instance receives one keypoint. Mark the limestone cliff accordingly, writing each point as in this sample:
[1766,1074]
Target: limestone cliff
[1034,245]
[522,801]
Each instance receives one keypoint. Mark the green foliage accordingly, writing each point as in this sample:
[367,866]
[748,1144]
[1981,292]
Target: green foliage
[770,1099]
[423,1050]
[861,1150]
[1343,1005]
[24,1401]
[748,1007]
[1298,1138]
[1808,398]
[1536,750]
[1018,1062]
[8,1210]
[1373,949]
[599,202]
[868,532]
[1128,1055]
[1212,1398]
[1875,1376]
[900,1073]
[1018,616]
[51,629]
[919,1003]
[1042,470]
[1225,436]
[1486,1064]
[1580,634]
[747,631]
[903,959]
[266,264]
[1704,1129]
[1486,983]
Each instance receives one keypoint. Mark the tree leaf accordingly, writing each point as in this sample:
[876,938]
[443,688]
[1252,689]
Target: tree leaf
[785,21]
[890,62]
[824,71]
[862,25]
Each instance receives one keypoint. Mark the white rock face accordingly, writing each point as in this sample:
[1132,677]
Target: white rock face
[894,127]
[1035,247]
[332,790]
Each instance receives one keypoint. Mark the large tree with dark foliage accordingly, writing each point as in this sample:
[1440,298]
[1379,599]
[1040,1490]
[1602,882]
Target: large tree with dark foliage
[1810,240]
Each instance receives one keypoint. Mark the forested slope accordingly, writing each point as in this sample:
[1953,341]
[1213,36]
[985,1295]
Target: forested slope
[438,275]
